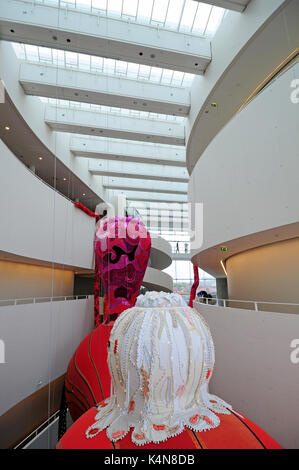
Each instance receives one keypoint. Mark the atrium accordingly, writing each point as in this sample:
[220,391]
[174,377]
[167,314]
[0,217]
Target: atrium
[183,115]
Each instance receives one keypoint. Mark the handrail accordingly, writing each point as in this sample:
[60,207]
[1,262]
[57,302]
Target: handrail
[256,303]
[38,430]
[34,300]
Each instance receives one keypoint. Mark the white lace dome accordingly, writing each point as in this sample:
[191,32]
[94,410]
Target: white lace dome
[161,357]
[160,299]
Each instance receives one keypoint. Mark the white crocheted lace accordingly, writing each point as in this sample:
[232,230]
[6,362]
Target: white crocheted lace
[161,357]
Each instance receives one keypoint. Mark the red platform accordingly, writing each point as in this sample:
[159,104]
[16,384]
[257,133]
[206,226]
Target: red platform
[234,432]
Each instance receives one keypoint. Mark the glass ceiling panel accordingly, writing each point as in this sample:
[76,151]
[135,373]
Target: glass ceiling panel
[187,16]
[94,64]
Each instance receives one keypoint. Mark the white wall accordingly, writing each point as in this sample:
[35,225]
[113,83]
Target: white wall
[39,342]
[39,223]
[247,177]
[253,370]
[246,48]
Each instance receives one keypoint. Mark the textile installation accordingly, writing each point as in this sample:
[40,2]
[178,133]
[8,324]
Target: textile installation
[122,249]
[161,358]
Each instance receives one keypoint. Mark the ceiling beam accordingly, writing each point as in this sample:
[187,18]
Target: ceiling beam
[160,198]
[91,33]
[235,5]
[116,149]
[89,87]
[128,184]
[113,125]
[141,171]
[162,212]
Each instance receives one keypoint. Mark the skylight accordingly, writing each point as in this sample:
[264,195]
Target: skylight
[88,63]
[186,16]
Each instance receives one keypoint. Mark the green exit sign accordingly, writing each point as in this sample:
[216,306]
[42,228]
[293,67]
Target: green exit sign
[223,248]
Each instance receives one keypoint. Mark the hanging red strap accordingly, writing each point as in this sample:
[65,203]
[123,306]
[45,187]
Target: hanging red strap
[194,286]
[87,211]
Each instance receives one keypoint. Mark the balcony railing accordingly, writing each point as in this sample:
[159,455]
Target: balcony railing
[36,300]
[249,304]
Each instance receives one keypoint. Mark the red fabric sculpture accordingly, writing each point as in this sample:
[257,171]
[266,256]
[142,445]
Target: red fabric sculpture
[235,432]
[161,358]
[87,211]
[122,249]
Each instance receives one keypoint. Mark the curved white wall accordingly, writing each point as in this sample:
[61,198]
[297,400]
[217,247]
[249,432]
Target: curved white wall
[32,111]
[269,273]
[39,341]
[246,48]
[157,280]
[247,178]
[39,223]
[161,253]
[253,368]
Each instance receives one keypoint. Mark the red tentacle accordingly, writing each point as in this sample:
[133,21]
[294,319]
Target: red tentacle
[194,286]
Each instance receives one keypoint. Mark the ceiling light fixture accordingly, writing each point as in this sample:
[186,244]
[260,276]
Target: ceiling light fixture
[40,158]
[7,128]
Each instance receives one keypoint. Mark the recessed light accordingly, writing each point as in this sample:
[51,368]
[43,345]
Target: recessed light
[7,128]
[83,194]
[40,158]
[196,64]
[64,179]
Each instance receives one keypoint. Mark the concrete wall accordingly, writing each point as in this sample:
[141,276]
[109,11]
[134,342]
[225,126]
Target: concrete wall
[39,223]
[39,342]
[20,281]
[269,273]
[254,371]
